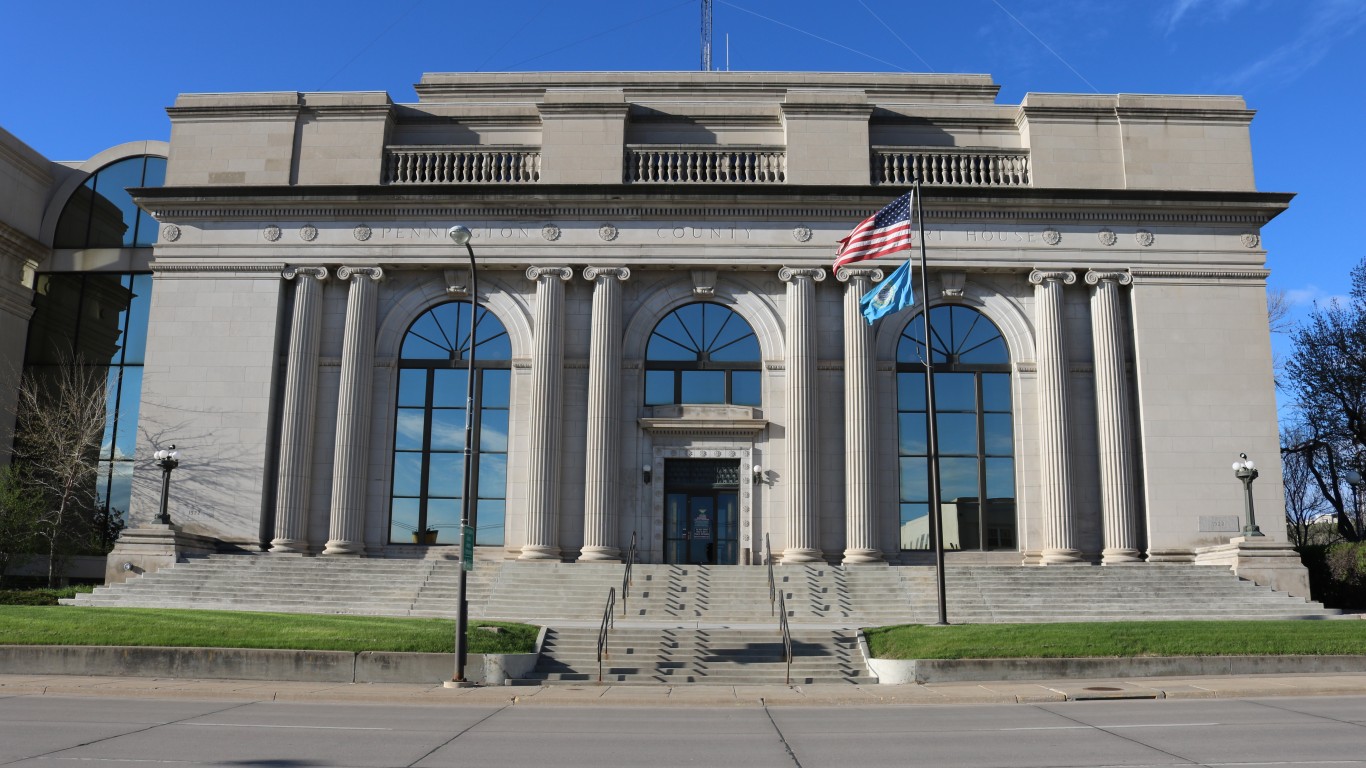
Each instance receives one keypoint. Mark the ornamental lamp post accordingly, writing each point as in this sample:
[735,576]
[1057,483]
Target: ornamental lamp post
[460,235]
[168,459]
[1245,470]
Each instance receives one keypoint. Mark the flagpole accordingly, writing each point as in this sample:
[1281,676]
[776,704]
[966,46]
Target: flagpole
[932,428]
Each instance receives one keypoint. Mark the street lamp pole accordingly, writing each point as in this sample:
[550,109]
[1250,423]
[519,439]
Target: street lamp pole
[168,459]
[1244,469]
[460,235]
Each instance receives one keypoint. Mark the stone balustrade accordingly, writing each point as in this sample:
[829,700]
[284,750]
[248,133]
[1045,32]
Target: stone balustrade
[461,165]
[951,168]
[705,165]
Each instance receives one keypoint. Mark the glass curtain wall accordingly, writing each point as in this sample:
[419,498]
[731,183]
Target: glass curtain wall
[429,433]
[971,367]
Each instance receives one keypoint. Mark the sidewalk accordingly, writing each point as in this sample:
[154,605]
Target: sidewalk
[1241,686]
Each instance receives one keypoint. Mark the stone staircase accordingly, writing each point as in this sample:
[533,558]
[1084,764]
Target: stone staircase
[685,623]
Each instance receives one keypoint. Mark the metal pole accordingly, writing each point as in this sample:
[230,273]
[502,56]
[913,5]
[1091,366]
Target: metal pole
[1247,477]
[932,429]
[165,517]
[468,514]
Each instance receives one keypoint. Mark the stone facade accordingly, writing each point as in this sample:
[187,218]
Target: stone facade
[1112,240]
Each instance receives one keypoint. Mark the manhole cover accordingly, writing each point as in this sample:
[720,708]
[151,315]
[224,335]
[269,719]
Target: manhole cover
[1102,688]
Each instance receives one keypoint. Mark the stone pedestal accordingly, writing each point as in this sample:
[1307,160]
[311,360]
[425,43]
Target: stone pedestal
[150,548]
[1273,564]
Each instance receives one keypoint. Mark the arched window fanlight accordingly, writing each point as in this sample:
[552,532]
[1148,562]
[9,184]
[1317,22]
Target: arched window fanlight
[702,353]
[101,212]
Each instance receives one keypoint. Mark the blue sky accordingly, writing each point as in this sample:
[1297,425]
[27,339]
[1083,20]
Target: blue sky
[79,77]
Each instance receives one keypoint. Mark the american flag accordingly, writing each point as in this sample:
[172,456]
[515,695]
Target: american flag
[883,233]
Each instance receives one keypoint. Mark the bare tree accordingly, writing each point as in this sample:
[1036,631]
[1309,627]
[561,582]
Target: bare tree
[61,416]
[1306,511]
[1278,312]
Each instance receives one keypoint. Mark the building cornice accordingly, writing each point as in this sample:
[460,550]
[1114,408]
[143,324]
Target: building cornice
[14,242]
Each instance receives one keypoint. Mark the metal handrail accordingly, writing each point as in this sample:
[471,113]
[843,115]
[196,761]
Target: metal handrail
[626,576]
[768,559]
[787,635]
[607,623]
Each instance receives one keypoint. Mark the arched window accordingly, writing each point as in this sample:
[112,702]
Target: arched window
[101,213]
[971,368]
[429,432]
[700,354]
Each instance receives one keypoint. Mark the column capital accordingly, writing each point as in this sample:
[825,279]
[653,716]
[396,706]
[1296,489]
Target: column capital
[1123,278]
[1068,277]
[789,274]
[845,274]
[289,273]
[593,273]
[346,273]
[536,273]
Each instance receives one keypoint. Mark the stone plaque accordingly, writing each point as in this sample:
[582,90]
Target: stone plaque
[1220,524]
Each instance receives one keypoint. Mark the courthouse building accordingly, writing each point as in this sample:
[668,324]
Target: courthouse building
[662,350]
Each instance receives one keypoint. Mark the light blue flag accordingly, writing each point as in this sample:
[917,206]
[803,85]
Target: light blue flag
[893,295]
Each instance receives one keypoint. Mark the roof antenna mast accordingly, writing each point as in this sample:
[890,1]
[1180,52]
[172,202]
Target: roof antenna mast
[706,35]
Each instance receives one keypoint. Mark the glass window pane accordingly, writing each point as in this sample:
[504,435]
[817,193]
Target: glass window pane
[443,521]
[703,387]
[102,483]
[1000,478]
[490,522]
[52,331]
[1000,439]
[659,388]
[744,388]
[402,520]
[130,396]
[71,227]
[111,404]
[915,526]
[911,433]
[493,473]
[959,479]
[736,344]
[675,520]
[120,489]
[915,481]
[429,338]
[957,434]
[668,349]
[135,337]
[409,429]
[497,386]
[1000,524]
[448,388]
[493,341]
[102,307]
[955,392]
[992,352]
[114,214]
[996,391]
[493,431]
[910,391]
[412,387]
[407,474]
[445,474]
[448,429]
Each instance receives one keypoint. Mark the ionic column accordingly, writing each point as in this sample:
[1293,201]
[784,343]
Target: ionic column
[1113,429]
[1055,492]
[301,401]
[602,459]
[543,463]
[346,534]
[803,523]
[860,487]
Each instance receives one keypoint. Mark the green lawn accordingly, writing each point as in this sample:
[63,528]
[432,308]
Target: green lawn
[64,625]
[1118,639]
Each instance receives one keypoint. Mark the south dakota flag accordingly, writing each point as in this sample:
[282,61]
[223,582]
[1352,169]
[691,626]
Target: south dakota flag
[892,295]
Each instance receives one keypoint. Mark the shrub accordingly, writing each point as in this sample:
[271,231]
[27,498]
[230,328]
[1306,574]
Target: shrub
[1337,574]
[39,596]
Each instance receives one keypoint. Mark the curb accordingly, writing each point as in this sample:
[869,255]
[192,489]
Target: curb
[900,672]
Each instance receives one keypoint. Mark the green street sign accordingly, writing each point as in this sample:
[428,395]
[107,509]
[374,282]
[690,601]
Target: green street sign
[467,547]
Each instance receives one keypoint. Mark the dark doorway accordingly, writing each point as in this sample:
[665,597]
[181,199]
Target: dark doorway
[701,511]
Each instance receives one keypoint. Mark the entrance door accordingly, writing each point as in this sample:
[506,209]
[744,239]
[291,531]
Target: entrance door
[701,511]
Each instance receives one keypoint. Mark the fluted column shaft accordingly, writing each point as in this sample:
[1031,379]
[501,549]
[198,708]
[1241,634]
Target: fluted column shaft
[602,459]
[300,406]
[860,486]
[803,522]
[547,371]
[346,534]
[1055,493]
[1113,428]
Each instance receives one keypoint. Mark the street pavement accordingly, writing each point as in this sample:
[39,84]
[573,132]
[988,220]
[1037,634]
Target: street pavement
[170,723]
